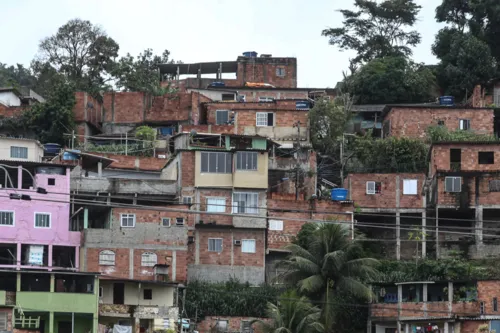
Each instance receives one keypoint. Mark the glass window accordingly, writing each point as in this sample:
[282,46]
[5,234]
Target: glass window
[6,218]
[165,221]
[221,117]
[453,184]
[410,186]
[42,220]
[3,321]
[215,244]
[280,71]
[179,221]
[373,187]
[148,259]
[248,245]
[107,258]
[264,119]
[18,152]
[246,160]
[245,203]
[216,205]
[127,220]
[215,162]
[464,124]
[275,225]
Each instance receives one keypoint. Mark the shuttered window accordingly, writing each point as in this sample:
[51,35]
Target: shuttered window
[453,184]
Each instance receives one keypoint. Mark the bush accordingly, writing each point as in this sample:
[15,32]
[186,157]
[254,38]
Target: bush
[443,134]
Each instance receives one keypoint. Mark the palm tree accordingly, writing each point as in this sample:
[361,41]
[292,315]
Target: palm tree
[331,263]
[293,314]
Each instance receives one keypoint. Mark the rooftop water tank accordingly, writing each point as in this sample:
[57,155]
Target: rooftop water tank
[339,194]
[52,148]
[447,100]
[250,54]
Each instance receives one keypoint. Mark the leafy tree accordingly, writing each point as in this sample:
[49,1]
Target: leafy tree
[393,80]
[293,314]
[16,76]
[331,264]
[50,120]
[377,30]
[82,52]
[141,73]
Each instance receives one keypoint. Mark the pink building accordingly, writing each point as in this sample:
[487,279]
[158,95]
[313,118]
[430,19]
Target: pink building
[35,228]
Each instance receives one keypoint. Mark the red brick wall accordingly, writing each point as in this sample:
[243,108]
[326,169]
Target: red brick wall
[167,108]
[283,209]
[356,183]
[471,326]
[220,219]
[440,156]
[93,115]
[234,323]
[188,166]
[154,216]
[217,129]
[129,107]
[11,111]
[9,317]
[254,94]
[224,257]
[264,70]
[196,107]
[384,310]
[413,122]
[486,291]
[119,270]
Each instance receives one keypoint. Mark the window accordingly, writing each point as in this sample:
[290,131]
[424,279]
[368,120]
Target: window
[495,304]
[216,205]
[3,321]
[148,293]
[246,160]
[222,325]
[179,221]
[214,162]
[100,292]
[248,245]
[410,186]
[453,184]
[127,220]
[165,221]
[275,225]
[481,308]
[266,99]
[228,97]
[107,258]
[6,218]
[265,119]
[464,124]
[148,259]
[486,157]
[18,152]
[455,159]
[246,327]
[280,71]
[373,187]
[51,181]
[187,200]
[42,220]
[215,244]
[494,185]
[440,122]
[245,203]
[221,117]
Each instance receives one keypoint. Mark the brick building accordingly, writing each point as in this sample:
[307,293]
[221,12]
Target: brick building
[445,306]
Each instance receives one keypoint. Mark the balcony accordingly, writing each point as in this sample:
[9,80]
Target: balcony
[124,186]
[57,302]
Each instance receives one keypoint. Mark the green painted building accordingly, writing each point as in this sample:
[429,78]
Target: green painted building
[49,302]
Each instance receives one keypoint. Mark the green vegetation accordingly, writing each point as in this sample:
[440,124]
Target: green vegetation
[443,134]
[230,298]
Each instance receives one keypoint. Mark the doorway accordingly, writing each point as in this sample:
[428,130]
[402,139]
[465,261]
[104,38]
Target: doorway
[64,327]
[118,293]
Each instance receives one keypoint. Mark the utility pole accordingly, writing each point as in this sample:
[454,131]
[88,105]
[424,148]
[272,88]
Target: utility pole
[73,139]
[297,166]
[342,161]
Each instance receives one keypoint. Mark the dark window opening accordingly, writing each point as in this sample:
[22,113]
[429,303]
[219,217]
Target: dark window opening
[495,304]
[148,293]
[486,157]
[118,293]
[221,117]
[8,282]
[455,159]
[494,185]
[481,308]
[228,97]
[35,255]
[8,254]
[35,282]
[67,283]
[440,122]
[413,293]
[464,124]
[63,256]
[52,181]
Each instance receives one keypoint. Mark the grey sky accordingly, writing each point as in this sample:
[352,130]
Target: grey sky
[203,30]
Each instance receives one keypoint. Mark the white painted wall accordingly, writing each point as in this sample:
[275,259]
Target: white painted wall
[8,98]
[381,329]
[35,150]
[162,295]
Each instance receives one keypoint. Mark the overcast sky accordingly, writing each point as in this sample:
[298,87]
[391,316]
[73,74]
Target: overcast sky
[203,30]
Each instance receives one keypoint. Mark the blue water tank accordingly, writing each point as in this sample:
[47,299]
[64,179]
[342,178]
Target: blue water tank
[250,54]
[339,194]
[217,84]
[52,148]
[302,105]
[447,100]
[69,156]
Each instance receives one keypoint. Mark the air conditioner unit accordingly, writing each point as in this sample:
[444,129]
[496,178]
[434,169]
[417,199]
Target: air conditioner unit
[237,242]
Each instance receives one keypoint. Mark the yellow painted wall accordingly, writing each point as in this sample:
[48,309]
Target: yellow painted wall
[253,179]
[162,295]
[210,179]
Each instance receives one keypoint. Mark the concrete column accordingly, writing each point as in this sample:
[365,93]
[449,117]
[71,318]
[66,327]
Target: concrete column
[19,178]
[18,256]
[479,225]
[85,218]
[197,247]
[174,265]
[131,264]
[232,248]
[437,233]
[398,235]
[49,259]
[450,297]
[95,323]
[99,169]
[399,326]
[407,328]
[424,298]
[137,326]
[446,327]
[18,282]
[369,326]
[51,322]
[77,258]
[52,283]
[424,243]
